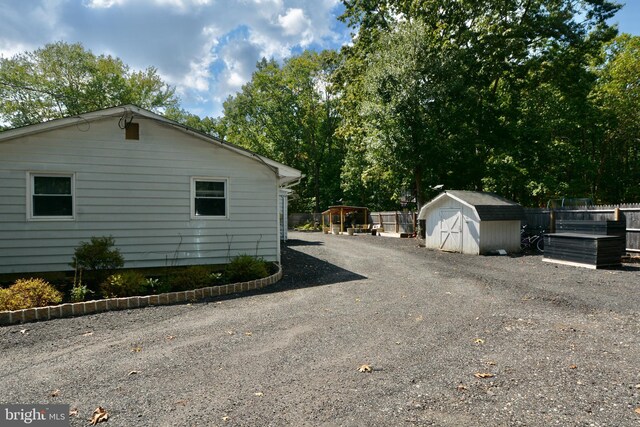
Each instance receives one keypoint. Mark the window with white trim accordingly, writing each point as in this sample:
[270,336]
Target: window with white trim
[51,196]
[208,198]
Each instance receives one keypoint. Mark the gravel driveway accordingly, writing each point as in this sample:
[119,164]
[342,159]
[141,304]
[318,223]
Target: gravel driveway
[562,345]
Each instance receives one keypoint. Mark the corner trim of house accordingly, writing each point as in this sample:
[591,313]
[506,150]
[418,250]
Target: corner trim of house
[98,306]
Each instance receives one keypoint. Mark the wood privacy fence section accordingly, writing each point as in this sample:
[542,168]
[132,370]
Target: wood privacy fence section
[539,218]
[395,222]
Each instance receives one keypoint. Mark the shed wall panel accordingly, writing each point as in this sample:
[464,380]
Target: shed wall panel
[137,191]
[496,235]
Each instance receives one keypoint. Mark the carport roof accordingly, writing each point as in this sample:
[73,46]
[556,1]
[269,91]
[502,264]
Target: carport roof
[488,206]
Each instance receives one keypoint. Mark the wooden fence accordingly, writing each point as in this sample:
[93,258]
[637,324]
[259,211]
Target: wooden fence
[539,218]
[395,222]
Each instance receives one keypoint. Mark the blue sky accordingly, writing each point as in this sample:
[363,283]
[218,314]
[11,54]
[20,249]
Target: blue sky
[207,49]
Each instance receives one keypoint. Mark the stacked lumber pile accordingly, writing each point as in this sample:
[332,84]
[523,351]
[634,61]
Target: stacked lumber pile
[592,244]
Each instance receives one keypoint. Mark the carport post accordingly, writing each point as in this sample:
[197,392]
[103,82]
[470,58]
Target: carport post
[341,220]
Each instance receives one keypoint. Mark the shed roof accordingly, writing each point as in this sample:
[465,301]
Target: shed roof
[286,174]
[488,206]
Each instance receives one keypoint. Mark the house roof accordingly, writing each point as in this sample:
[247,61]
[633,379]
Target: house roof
[286,175]
[488,206]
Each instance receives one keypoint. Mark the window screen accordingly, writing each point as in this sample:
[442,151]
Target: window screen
[210,198]
[51,196]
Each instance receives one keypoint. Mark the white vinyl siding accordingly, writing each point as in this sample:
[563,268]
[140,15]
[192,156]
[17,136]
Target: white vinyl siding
[138,193]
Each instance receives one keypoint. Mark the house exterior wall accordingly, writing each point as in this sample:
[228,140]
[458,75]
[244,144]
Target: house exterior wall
[139,192]
[470,228]
[496,235]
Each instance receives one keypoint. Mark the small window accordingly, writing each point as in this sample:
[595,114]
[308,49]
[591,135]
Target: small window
[132,131]
[209,197]
[51,196]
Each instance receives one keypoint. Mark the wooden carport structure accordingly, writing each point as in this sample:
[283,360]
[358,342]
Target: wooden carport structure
[340,212]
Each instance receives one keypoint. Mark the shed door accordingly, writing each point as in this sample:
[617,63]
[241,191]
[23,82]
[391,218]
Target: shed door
[451,230]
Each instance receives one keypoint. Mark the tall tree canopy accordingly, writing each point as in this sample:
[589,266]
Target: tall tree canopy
[477,95]
[64,79]
[288,114]
[616,136]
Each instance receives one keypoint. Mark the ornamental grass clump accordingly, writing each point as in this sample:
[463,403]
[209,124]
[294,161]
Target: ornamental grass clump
[29,293]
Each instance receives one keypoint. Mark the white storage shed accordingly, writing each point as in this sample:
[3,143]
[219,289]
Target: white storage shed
[472,222]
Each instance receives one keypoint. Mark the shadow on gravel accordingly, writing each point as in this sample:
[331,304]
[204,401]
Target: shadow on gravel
[302,271]
[297,242]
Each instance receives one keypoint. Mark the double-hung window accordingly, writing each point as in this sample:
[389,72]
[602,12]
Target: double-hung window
[208,198]
[51,196]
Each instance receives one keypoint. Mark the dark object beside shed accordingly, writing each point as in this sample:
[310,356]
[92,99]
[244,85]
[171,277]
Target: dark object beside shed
[601,228]
[592,244]
[583,250]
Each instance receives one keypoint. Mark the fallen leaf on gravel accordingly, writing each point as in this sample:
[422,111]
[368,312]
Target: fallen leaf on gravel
[170,337]
[357,299]
[136,349]
[230,333]
[483,375]
[365,368]
[73,412]
[260,394]
[248,333]
[55,393]
[478,341]
[490,363]
[225,418]
[637,385]
[99,415]
[87,334]
[132,373]
[573,367]
[637,411]
[181,402]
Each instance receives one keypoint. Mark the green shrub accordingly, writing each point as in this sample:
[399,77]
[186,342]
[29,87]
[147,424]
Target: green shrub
[244,268]
[80,292]
[124,284]
[97,258]
[156,286]
[29,293]
[193,277]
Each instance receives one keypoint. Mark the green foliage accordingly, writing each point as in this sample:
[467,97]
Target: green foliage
[287,113]
[29,293]
[124,284]
[192,277]
[244,268]
[616,138]
[98,258]
[64,79]
[80,292]
[473,95]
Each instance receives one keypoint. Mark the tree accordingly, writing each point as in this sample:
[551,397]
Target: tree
[288,113]
[486,95]
[64,79]
[616,96]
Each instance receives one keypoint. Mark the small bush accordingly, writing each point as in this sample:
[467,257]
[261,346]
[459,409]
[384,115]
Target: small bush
[244,268]
[154,286]
[124,284]
[80,293]
[29,293]
[97,258]
[193,277]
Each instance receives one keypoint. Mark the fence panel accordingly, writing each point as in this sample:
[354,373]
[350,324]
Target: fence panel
[395,222]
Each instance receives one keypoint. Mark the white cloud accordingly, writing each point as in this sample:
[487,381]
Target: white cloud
[206,48]
[294,22]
